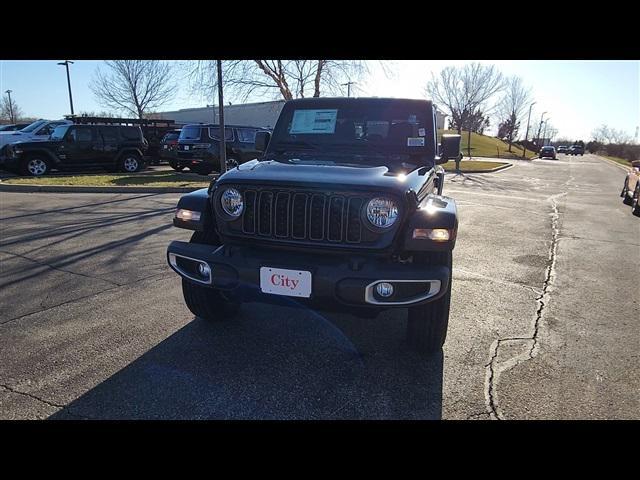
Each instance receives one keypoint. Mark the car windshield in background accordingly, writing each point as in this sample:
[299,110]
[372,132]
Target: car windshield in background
[59,132]
[190,133]
[33,126]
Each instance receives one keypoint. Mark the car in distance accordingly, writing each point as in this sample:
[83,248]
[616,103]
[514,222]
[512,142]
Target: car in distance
[199,147]
[563,149]
[13,127]
[73,147]
[36,131]
[631,188]
[548,152]
[342,211]
[576,150]
[168,145]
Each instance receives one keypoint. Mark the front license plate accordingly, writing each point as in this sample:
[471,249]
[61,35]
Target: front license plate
[186,147]
[292,283]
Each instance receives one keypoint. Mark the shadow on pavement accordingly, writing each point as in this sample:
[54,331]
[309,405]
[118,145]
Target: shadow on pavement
[274,363]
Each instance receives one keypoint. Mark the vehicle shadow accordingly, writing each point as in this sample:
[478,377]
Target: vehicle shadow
[274,362]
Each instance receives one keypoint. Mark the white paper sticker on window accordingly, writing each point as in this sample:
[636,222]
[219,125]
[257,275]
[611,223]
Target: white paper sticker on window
[421,132]
[313,121]
[415,142]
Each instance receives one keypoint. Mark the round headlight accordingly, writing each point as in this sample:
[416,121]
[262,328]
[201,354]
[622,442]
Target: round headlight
[231,202]
[382,212]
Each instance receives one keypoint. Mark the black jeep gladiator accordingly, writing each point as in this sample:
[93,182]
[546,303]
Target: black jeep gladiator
[343,211]
[77,147]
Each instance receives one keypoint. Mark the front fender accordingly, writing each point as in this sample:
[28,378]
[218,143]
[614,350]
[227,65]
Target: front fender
[435,211]
[196,201]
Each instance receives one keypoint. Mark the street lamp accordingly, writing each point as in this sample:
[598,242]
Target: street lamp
[8,92]
[66,64]
[524,153]
[348,85]
[544,133]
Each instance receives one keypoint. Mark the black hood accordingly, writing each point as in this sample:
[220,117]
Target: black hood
[320,175]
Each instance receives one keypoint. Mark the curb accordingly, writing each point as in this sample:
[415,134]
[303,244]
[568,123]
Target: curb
[75,189]
[493,170]
[615,164]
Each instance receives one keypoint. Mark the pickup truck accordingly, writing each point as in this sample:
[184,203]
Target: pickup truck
[343,210]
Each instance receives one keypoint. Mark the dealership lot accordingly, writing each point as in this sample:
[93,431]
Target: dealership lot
[544,315]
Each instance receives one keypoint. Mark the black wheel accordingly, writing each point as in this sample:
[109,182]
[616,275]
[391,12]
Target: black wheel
[130,163]
[232,163]
[204,302]
[625,193]
[427,324]
[35,166]
[634,203]
[175,166]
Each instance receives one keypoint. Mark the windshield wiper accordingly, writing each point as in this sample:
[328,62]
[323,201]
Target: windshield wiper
[297,143]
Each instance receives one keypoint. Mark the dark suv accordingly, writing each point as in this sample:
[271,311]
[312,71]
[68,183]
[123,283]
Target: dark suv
[113,147]
[199,147]
[343,211]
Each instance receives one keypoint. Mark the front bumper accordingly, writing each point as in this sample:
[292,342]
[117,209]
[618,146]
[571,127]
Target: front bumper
[336,281]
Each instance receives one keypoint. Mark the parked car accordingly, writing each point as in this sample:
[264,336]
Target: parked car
[631,189]
[113,147]
[548,151]
[168,145]
[343,210]
[199,148]
[13,127]
[36,131]
[563,149]
[576,150]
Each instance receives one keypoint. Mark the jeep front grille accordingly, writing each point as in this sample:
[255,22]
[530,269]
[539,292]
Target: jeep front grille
[318,217]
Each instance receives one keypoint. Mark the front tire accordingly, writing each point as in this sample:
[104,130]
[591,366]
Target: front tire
[635,206]
[207,303]
[427,324]
[35,166]
[175,166]
[625,193]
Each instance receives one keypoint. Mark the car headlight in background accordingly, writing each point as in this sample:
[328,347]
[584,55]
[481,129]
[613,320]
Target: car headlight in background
[231,201]
[382,212]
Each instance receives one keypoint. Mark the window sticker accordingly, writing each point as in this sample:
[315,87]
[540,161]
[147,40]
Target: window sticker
[314,121]
[421,132]
[415,142]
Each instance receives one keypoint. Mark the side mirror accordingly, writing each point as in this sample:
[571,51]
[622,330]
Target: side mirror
[450,148]
[262,140]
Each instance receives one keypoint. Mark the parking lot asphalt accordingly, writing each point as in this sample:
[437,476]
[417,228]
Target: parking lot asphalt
[544,316]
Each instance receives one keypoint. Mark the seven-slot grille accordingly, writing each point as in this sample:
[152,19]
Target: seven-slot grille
[287,215]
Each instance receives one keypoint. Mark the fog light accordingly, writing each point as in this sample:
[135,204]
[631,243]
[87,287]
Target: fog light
[384,289]
[192,215]
[435,234]
[204,270]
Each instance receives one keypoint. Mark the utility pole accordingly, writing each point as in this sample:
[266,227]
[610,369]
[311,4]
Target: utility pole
[544,133]
[223,143]
[8,92]
[540,129]
[66,64]
[524,153]
[348,84]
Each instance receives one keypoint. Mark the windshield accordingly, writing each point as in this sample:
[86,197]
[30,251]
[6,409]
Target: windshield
[59,132]
[190,133]
[396,131]
[33,126]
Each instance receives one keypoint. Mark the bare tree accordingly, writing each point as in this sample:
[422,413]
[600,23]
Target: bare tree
[284,79]
[605,134]
[464,91]
[512,107]
[10,112]
[134,86]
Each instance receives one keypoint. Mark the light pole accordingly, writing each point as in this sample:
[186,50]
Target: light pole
[524,153]
[66,64]
[223,144]
[539,129]
[8,92]
[544,133]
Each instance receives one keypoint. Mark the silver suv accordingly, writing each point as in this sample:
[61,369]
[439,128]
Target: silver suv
[38,130]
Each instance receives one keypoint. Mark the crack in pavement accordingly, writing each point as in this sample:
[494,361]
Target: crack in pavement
[492,373]
[44,264]
[42,400]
